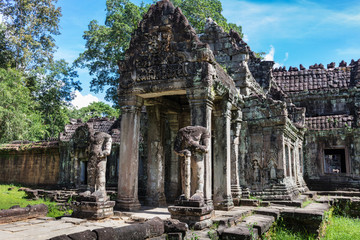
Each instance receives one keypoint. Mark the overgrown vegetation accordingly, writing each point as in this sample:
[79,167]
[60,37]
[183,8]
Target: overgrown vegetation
[334,227]
[9,198]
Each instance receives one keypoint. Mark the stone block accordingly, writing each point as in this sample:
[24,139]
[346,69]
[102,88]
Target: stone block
[105,233]
[18,214]
[268,211]
[155,227]
[195,217]
[131,232]
[261,222]
[85,235]
[240,232]
[61,237]
[94,210]
[175,236]
[175,226]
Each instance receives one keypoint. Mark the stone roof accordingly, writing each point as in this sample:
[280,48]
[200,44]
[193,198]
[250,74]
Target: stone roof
[316,78]
[329,122]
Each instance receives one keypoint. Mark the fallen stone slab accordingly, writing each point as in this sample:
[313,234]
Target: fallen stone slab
[261,222]
[61,237]
[175,226]
[240,232]
[85,235]
[18,214]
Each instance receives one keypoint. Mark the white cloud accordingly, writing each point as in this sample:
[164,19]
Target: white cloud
[349,51]
[277,65]
[83,101]
[286,57]
[292,20]
[246,38]
[270,55]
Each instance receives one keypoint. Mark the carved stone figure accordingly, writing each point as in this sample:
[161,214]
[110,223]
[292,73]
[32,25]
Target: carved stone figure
[100,148]
[256,171]
[192,142]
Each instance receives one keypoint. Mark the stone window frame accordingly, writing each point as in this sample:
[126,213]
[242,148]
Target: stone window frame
[347,160]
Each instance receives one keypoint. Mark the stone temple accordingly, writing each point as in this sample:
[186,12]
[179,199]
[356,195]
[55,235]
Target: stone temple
[271,133]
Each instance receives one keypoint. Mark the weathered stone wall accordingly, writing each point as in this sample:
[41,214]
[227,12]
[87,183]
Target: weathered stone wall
[315,144]
[30,166]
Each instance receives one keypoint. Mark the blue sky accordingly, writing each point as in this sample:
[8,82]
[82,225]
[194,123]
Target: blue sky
[290,32]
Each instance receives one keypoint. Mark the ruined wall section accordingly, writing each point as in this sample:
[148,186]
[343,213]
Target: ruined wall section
[233,55]
[74,150]
[266,131]
[30,163]
[331,99]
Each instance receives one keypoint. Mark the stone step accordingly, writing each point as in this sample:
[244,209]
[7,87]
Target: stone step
[249,202]
[269,211]
[231,218]
[310,194]
[261,222]
[308,218]
[293,203]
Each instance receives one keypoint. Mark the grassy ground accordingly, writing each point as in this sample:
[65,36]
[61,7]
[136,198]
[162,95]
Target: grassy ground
[338,228]
[9,198]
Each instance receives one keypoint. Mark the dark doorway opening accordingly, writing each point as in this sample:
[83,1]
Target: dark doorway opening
[334,161]
[83,172]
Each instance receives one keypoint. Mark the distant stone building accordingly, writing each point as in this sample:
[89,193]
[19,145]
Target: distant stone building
[274,133]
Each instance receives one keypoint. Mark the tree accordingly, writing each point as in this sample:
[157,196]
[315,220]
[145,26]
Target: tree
[95,109]
[106,44]
[53,89]
[19,119]
[27,44]
[30,25]
[197,11]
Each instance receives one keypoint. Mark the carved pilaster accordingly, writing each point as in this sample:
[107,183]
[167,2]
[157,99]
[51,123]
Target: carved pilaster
[235,180]
[127,198]
[156,159]
[222,156]
[174,185]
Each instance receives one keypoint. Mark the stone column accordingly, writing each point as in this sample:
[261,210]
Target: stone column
[127,198]
[174,161]
[156,159]
[222,157]
[235,180]
[200,113]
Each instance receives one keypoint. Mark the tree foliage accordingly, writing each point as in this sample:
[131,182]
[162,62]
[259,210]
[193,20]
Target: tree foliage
[30,26]
[19,118]
[95,109]
[197,11]
[26,56]
[53,90]
[106,44]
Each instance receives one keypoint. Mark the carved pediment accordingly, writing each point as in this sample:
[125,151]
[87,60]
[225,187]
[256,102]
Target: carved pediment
[164,48]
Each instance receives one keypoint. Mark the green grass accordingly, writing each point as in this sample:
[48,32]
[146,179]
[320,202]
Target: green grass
[9,198]
[343,228]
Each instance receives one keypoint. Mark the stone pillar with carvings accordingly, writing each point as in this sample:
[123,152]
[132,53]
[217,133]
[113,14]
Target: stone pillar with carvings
[127,197]
[235,179]
[174,185]
[222,156]
[156,159]
[201,106]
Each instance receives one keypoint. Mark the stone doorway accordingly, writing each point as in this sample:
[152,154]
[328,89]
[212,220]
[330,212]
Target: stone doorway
[334,161]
